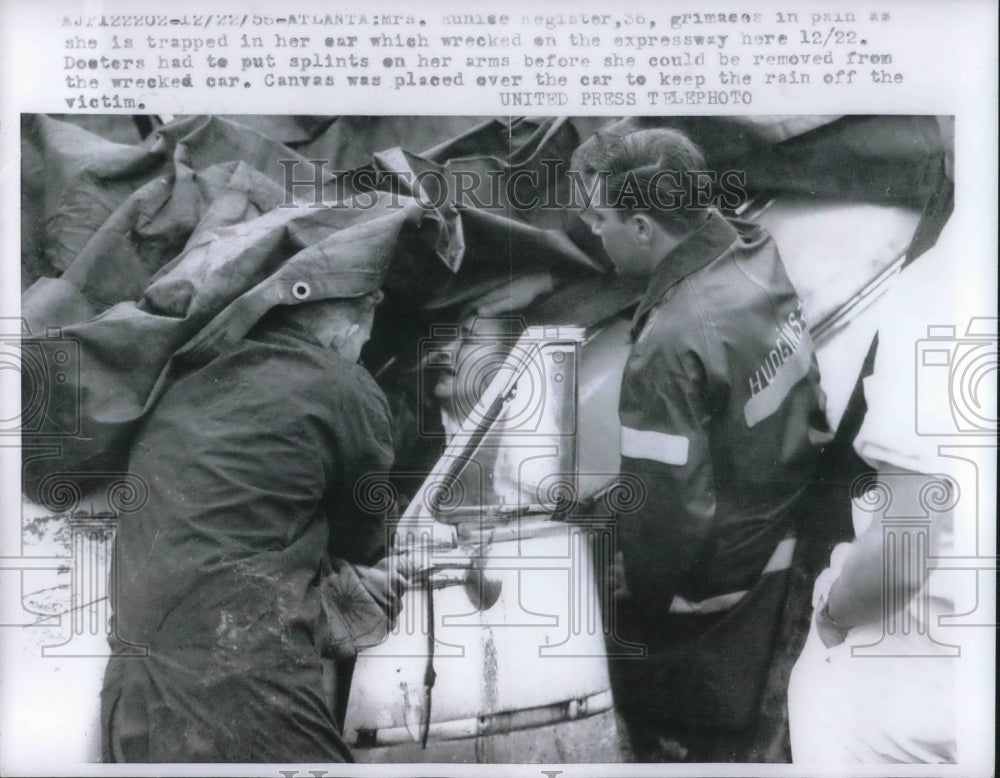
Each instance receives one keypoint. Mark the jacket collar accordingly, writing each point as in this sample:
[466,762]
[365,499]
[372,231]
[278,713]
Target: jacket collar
[699,248]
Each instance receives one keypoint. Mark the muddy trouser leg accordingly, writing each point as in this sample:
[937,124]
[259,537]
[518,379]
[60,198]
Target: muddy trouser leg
[124,725]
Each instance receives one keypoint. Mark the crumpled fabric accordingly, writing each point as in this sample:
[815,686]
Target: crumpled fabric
[162,254]
[142,254]
[876,159]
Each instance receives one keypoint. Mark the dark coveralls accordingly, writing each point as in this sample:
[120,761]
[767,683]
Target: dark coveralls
[251,463]
[722,419]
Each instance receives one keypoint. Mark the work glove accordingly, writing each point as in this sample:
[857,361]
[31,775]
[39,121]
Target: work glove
[361,604]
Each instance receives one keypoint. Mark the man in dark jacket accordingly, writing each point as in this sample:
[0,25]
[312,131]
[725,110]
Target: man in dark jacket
[251,556]
[721,418]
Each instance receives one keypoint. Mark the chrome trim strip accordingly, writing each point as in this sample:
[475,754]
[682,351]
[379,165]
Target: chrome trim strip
[490,724]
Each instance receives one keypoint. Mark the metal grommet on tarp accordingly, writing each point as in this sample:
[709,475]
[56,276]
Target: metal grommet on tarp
[301,290]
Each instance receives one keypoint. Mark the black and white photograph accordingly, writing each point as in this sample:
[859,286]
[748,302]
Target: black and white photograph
[645,440]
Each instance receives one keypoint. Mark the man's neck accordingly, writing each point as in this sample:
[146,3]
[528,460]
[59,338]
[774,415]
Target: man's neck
[669,240]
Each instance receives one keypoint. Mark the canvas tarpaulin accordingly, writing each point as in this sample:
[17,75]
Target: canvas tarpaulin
[164,253]
[158,253]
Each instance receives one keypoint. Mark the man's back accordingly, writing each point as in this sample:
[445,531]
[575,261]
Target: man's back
[251,462]
[247,458]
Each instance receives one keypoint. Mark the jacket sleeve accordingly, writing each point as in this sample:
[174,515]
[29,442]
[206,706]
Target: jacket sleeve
[360,423]
[665,417]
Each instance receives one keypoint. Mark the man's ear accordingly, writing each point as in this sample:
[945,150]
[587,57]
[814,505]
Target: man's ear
[642,226]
